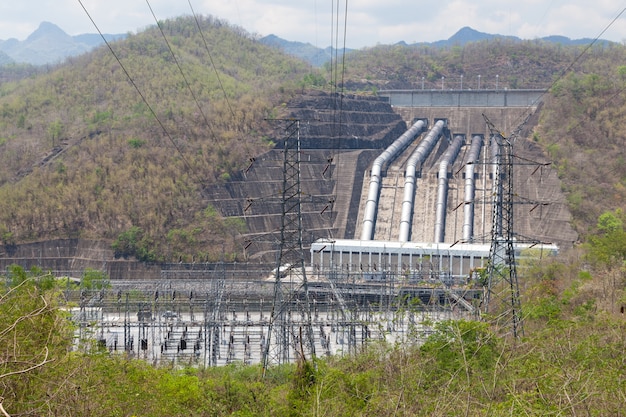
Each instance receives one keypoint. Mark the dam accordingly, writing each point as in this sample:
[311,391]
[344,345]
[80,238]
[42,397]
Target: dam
[433,198]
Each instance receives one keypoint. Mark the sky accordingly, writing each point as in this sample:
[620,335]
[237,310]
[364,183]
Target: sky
[323,22]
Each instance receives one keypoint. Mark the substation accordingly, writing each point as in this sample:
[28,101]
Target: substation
[359,230]
[220,323]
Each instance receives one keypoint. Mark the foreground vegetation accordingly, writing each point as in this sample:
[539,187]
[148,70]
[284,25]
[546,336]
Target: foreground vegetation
[570,360]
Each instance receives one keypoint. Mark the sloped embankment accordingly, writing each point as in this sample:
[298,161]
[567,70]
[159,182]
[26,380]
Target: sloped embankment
[340,136]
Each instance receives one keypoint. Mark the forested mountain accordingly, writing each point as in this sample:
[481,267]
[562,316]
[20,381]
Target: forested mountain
[93,148]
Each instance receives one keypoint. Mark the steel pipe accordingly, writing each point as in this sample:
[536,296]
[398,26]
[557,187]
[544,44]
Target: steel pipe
[418,157]
[470,187]
[442,186]
[369,217]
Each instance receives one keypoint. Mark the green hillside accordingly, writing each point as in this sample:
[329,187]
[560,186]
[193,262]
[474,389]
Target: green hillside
[83,155]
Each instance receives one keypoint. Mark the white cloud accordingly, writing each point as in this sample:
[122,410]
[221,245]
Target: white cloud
[370,22]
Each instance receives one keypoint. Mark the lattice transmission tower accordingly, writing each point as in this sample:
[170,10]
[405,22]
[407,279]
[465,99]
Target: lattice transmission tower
[502,303]
[290,333]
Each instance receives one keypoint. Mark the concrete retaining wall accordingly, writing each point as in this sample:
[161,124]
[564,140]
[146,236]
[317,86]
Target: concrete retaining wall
[462,98]
[70,257]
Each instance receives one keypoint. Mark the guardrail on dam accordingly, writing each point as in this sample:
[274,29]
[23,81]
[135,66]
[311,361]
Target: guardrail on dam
[462,98]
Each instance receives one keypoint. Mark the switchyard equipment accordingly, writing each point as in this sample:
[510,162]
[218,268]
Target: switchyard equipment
[203,320]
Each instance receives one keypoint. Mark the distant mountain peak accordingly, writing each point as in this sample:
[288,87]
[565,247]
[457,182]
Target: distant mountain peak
[466,30]
[49,44]
[47,30]
[272,38]
[310,53]
[45,25]
[467,34]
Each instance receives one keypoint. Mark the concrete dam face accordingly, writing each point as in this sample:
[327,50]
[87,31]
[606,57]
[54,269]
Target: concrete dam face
[343,140]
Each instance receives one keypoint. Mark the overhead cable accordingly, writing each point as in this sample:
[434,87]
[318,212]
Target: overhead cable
[206,46]
[182,73]
[143,97]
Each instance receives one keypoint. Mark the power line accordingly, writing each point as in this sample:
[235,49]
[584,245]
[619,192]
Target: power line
[143,98]
[252,159]
[343,71]
[583,52]
[338,96]
[206,46]
[182,73]
[332,43]
[343,66]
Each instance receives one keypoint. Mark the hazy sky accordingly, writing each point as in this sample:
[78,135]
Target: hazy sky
[369,22]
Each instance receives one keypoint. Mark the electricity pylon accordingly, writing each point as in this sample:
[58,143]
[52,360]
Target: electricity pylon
[290,334]
[502,301]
